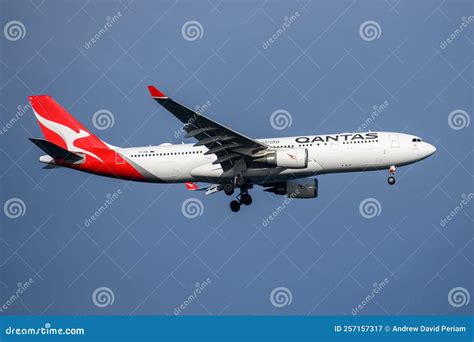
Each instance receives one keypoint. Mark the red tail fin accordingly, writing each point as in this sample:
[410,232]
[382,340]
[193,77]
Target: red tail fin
[65,134]
[61,128]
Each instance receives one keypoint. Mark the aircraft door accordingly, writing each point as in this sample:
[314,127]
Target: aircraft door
[119,160]
[394,141]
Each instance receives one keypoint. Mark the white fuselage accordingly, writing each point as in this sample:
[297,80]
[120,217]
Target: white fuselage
[343,152]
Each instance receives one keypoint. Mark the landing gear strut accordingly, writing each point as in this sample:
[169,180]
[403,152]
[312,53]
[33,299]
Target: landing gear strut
[391,178]
[239,181]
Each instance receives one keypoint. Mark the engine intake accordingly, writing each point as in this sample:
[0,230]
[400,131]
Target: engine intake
[299,188]
[292,158]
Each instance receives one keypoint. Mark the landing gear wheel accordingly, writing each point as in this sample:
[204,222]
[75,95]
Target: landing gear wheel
[235,206]
[239,181]
[229,189]
[391,180]
[246,199]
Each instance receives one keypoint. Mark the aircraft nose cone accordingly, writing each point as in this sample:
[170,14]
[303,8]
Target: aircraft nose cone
[430,149]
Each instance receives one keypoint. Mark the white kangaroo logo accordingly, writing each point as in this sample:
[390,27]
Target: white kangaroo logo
[69,135]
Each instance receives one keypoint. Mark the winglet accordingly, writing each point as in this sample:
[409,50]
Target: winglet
[155,93]
[191,186]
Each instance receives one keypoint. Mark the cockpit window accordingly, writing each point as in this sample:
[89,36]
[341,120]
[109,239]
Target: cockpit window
[416,140]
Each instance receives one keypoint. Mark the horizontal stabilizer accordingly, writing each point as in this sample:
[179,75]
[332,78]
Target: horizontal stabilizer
[57,152]
[213,188]
[50,166]
[192,186]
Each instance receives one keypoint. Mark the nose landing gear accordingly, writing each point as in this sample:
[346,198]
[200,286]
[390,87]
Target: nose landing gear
[391,178]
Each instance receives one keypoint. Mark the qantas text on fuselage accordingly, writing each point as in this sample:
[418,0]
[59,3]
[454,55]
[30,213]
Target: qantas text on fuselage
[337,137]
[224,159]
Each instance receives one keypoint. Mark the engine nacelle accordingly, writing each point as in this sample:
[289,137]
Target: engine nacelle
[292,158]
[297,188]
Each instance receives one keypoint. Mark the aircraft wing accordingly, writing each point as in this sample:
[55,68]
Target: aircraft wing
[229,145]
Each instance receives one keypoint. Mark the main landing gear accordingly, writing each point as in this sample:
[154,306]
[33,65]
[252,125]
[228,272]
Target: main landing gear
[239,182]
[246,199]
[229,189]
[391,178]
[243,197]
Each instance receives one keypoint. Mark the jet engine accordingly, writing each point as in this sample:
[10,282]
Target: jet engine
[297,188]
[292,158]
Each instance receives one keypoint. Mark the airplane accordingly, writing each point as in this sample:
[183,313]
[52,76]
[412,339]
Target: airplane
[225,159]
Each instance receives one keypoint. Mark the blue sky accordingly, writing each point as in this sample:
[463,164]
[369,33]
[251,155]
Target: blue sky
[327,70]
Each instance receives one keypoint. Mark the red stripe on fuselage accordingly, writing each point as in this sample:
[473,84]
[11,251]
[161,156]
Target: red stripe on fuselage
[112,165]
